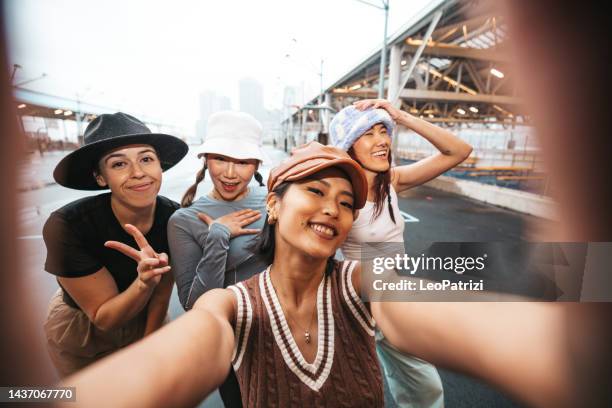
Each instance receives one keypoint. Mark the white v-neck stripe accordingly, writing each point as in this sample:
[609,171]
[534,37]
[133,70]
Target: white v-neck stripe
[322,362]
[242,328]
[353,300]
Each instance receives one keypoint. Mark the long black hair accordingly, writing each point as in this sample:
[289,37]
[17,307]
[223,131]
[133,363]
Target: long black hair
[382,187]
[264,244]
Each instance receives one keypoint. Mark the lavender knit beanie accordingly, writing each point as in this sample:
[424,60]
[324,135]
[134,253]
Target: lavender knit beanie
[350,123]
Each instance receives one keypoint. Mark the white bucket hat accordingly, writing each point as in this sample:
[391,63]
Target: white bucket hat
[234,134]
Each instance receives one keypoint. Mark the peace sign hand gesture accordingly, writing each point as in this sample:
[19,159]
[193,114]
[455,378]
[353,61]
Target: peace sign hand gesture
[234,221]
[151,265]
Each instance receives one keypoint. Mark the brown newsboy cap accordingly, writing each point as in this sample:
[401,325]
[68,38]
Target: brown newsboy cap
[313,157]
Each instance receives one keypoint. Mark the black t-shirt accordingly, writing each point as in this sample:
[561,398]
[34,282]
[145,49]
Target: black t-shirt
[75,236]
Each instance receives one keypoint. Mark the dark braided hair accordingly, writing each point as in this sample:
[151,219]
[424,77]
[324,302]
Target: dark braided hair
[382,188]
[259,179]
[187,199]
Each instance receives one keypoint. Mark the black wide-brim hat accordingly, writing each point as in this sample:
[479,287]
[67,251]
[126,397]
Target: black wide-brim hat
[108,132]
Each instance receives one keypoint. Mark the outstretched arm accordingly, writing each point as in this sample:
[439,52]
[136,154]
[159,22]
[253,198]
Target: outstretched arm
[452,150]
[520,347]
[177,366]
[524,348]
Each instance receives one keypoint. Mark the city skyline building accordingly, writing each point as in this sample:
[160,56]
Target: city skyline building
[251,98]
[210,102]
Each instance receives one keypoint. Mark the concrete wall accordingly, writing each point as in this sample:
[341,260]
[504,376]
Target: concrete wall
[521,201]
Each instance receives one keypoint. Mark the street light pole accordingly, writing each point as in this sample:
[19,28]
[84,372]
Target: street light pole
[313,67]
[15,68]
[321,82]
[383,55]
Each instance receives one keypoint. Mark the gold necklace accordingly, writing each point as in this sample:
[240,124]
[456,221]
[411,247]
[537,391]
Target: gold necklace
[307,336]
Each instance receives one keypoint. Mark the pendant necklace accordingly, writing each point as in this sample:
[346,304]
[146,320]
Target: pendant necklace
[307,336]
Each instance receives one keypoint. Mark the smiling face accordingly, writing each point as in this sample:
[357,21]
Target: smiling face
[133,173]
[372,149]
[314,215]
[230,176]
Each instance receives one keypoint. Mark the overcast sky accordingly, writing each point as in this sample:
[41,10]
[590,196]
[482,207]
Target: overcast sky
[155,57]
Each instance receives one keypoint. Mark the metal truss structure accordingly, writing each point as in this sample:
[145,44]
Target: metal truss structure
[450,65]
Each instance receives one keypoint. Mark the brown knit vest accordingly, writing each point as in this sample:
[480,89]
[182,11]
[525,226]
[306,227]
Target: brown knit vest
[270,368]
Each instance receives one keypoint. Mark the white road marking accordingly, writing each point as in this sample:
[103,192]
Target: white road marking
[408,218]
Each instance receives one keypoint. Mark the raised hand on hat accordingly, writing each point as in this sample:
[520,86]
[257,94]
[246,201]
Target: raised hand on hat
[452,150]
[396,114]
[151,265]
[234,221]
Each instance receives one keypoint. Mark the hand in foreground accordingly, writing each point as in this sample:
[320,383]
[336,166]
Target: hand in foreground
[234,221]
[151,265]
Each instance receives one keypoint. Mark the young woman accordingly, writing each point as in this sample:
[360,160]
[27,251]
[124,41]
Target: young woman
[105,301]
[364,131]
[216,256]
[299,335]
[204,258]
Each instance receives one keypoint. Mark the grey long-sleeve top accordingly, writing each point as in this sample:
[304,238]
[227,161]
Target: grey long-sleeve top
[204,258]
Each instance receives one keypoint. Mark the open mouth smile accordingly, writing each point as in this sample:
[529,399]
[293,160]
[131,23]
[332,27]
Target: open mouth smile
[325,231]
[381,154]
[230,186]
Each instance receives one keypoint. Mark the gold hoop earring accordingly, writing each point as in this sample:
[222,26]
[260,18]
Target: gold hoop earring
[271,219]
